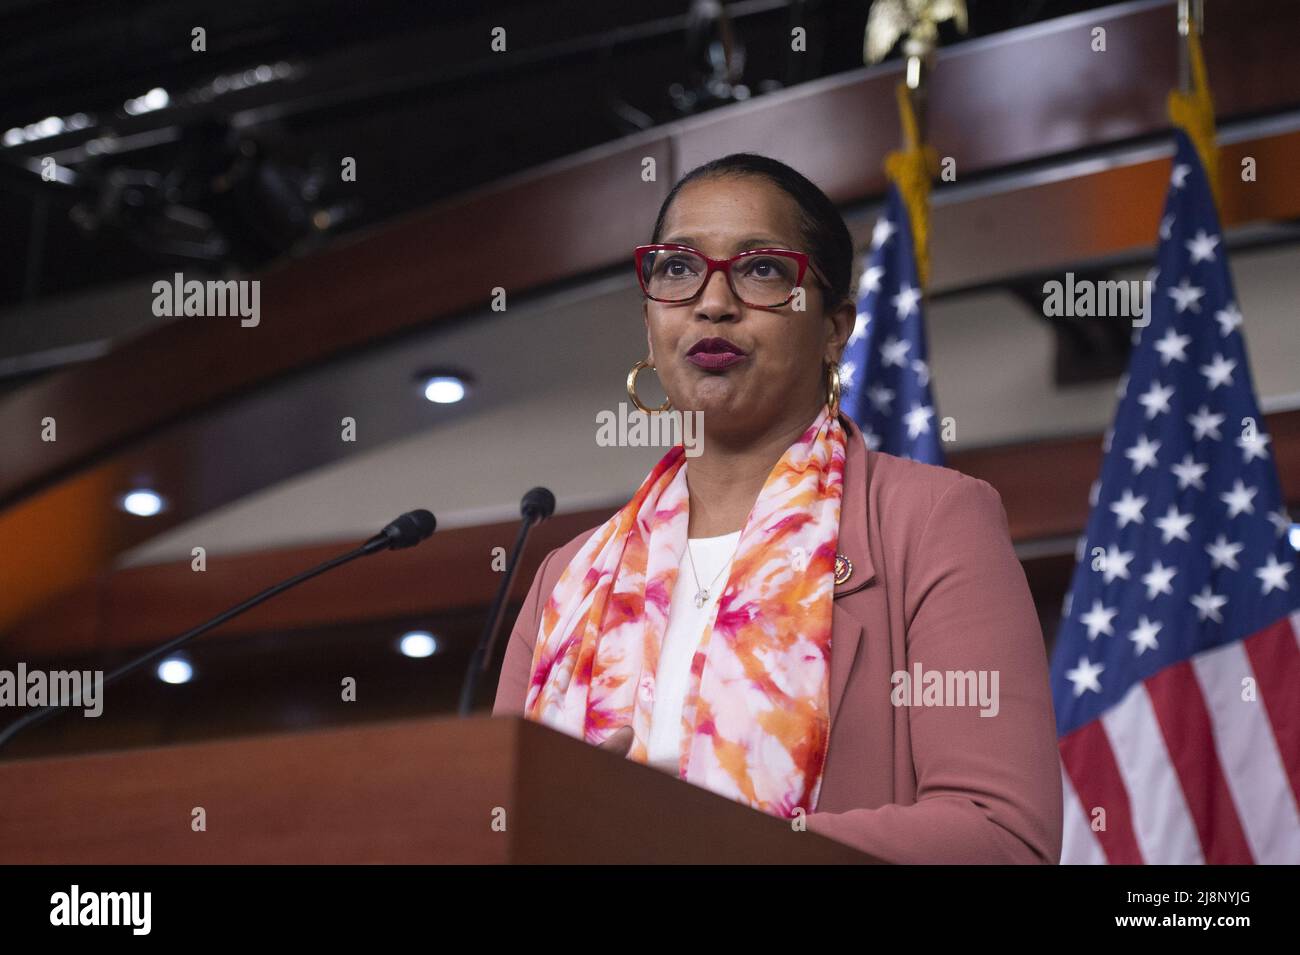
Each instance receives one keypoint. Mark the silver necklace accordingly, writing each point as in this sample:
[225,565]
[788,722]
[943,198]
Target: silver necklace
[702,593]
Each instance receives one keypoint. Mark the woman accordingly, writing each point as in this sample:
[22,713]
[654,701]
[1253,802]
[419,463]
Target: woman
[755,621]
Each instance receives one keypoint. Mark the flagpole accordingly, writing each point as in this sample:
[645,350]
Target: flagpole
[1191,106]
[919,61]
[1191,16]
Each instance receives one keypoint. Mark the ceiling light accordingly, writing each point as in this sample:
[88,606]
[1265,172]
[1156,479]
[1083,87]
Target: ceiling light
[417,644]
[175,670]
[445,389]
[143,502]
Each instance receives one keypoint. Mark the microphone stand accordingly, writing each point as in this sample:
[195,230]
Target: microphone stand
[483,651]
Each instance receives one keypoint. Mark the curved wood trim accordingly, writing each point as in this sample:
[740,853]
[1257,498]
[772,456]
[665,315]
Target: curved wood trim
[1044,487]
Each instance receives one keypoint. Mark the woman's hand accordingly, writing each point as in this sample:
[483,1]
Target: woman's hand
[620,742]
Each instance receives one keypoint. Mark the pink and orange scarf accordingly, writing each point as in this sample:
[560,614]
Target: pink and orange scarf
[755,724]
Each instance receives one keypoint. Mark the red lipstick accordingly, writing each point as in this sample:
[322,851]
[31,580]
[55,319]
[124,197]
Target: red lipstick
[715,354]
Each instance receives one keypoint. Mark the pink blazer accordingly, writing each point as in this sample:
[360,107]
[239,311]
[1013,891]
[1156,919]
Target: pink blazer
[935,584]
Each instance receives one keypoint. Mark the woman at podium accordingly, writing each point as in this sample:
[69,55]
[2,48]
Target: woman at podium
[788,618]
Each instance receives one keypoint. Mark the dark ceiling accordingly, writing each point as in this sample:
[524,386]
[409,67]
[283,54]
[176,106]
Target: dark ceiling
[243,163]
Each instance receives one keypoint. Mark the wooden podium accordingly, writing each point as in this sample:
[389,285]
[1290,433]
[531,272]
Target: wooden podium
[415,791]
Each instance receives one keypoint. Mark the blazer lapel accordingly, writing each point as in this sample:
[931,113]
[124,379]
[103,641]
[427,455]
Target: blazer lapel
[846,628]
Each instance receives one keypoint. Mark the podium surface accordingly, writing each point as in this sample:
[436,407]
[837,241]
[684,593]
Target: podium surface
[481,790]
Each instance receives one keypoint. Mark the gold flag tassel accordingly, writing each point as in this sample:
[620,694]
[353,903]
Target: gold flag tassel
[1193,112]
[911,170]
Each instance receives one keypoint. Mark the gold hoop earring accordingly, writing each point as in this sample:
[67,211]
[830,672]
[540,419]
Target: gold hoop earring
[833,388]
[631,390]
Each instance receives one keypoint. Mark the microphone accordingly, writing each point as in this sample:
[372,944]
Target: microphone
[539,503]
[406,531]
[536,506]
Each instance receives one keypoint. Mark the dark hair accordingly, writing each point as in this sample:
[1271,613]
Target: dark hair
[823,228]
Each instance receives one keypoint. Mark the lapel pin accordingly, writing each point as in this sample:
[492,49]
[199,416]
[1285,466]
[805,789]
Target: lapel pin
[843,569]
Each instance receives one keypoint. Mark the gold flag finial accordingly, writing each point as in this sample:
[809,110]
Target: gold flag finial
[918,20]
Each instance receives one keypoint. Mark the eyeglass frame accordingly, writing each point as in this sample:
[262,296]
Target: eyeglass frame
[724,265]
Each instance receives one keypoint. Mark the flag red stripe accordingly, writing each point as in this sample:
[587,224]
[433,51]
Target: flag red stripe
[1189,738]
[1091,765]
[1275,658]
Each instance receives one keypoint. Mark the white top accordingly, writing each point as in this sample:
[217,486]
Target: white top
[686,625]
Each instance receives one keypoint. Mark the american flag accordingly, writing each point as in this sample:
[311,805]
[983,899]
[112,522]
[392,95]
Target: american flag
[1176,672]
[884,373]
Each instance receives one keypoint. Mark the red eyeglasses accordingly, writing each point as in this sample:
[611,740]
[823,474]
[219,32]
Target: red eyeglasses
[761,278]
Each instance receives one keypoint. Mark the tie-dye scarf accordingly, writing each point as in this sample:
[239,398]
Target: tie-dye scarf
[755,723]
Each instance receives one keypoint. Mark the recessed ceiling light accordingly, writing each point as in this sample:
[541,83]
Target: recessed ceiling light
[142,502]
[175,670]
[444,389]
[418,643]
